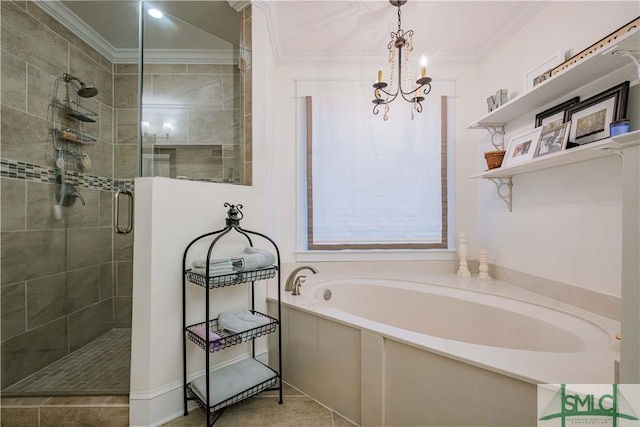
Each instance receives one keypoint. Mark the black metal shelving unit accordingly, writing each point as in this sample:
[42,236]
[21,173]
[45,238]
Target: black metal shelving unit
[247,377]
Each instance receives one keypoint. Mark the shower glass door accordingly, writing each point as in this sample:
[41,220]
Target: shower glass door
[67,277]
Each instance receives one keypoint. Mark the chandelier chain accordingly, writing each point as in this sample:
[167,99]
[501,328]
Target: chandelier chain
[385,93]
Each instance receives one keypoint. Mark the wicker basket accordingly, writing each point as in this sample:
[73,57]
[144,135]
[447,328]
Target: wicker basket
[494,158]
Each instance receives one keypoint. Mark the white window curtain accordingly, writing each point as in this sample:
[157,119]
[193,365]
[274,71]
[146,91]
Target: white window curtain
[374,183]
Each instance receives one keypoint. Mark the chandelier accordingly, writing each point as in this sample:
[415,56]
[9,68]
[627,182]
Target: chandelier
[401,44]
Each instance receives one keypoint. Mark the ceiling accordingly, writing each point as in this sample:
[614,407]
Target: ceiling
[316,33]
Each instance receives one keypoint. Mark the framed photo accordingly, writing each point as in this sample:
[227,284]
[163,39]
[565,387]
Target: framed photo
[552,140]
[542,72]
[554,116]
[521,147]
[590,119]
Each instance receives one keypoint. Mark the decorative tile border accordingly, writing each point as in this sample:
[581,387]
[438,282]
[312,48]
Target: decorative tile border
[30,172]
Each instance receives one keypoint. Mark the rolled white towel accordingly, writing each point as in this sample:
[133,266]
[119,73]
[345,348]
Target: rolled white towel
[269,257]
[252,259]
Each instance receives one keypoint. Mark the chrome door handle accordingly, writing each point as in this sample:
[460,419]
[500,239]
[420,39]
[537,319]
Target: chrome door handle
[116,220]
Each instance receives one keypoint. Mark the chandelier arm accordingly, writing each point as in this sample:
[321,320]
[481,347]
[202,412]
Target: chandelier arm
[386,92]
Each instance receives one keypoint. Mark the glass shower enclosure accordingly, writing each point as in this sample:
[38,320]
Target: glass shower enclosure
[67,263]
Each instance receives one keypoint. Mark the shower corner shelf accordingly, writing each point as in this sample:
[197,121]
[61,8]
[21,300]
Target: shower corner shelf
[243,378]
[74,136]
[74,110]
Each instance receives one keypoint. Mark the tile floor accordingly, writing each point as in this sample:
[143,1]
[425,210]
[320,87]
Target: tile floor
[103,367]
[263,410]
[65,411]
[100,367]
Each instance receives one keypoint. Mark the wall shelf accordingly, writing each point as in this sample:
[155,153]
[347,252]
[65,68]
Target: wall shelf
[501,176]
[594,150]
[581,73]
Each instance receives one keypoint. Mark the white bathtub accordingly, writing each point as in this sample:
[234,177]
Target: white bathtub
[494,326]
[463,315]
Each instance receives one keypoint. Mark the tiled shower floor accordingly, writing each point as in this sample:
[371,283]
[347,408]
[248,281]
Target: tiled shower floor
[100,367]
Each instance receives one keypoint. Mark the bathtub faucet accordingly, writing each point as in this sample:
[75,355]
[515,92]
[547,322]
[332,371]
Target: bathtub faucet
[293,282]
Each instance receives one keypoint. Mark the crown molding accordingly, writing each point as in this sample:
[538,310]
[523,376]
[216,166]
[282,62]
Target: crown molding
[77,26]
[239,5]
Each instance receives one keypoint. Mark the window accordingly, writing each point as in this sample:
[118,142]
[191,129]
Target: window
[370,183]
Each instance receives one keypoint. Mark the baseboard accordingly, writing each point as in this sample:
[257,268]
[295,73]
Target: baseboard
[166,403]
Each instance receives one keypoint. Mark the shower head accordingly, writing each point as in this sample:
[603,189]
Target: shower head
[87,91]
[84,91]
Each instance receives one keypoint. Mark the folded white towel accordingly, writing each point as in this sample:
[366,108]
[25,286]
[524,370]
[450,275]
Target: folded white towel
[252,259]
[222,272]
[218,267]
[199,263]
[240,320]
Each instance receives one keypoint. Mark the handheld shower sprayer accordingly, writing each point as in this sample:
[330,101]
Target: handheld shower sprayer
[57,208]
[84,91]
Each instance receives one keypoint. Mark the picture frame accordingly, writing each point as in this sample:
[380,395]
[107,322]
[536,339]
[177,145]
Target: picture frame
[590,119]
[554,116]
[552,140]
[521,147]
[542,72]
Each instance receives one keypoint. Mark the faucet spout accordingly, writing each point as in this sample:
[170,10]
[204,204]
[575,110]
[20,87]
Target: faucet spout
[290,283]
[79,196]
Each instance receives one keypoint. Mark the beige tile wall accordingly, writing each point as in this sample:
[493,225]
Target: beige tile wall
[203,104]
[57,282]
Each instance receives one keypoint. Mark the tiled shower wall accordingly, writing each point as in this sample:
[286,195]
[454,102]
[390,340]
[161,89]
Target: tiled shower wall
[200,101]
[59,283]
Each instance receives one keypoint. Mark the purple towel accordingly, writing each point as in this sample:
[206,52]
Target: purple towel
[216,343]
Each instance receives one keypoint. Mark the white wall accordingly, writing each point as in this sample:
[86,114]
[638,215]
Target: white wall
[169,214]
[566,223]
[283,109]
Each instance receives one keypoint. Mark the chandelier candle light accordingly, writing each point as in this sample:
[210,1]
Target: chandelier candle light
[383,92]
